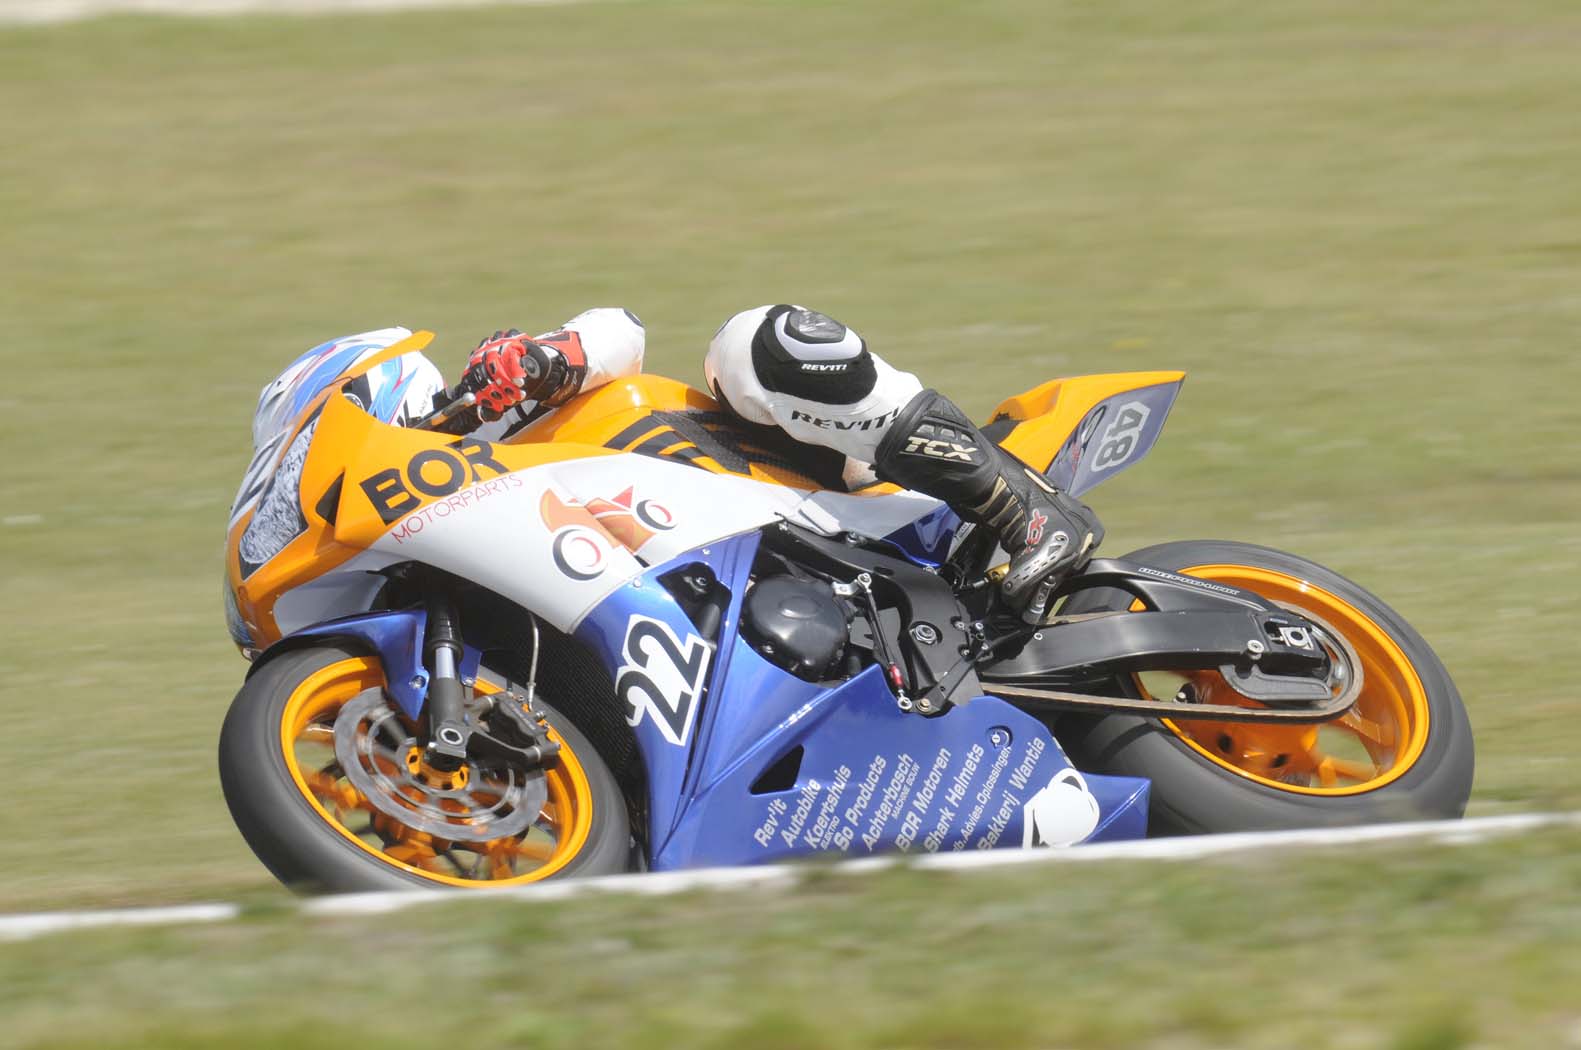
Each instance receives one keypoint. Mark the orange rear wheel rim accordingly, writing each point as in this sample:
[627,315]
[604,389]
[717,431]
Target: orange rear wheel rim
[1370,746]
[307,729]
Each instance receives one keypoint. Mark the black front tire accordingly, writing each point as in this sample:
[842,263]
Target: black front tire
[309,855]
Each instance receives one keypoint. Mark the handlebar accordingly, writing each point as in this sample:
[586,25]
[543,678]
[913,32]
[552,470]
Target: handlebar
[457,399]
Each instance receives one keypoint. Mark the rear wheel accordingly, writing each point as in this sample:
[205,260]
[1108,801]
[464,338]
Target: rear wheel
[327,784]
[1403,751]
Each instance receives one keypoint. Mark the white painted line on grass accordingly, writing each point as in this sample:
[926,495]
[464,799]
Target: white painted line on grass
[659,884]
[23,927]
[47,11]
[639,884]
[1194,847]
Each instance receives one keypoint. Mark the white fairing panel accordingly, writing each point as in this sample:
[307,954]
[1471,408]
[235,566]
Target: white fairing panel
[868,515]
[349,589]
[531,534]
[560,538]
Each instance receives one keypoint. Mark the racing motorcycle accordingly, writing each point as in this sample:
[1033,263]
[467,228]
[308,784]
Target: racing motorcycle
[644,634]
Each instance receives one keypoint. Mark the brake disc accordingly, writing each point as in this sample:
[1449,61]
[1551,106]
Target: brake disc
[379,757]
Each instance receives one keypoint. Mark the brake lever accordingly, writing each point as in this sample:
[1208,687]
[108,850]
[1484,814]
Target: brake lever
[453,408]
[462,397]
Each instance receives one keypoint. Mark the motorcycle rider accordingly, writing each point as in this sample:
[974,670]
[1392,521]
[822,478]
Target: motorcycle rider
[815,379]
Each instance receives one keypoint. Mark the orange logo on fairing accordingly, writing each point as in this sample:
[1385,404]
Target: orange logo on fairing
[624,521]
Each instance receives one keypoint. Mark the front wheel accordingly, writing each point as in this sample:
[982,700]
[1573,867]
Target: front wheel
[1402,752]
[328,786]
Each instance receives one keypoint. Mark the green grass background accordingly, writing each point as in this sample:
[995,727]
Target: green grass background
[1405,947]
[1355,223]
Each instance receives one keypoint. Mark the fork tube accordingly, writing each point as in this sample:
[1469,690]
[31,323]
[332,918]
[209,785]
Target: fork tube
[448,732]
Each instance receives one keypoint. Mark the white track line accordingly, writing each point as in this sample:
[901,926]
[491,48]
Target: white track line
[47,11]
[659,884]
[24,927]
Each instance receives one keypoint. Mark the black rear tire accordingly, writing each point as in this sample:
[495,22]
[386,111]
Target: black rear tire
[1193,795]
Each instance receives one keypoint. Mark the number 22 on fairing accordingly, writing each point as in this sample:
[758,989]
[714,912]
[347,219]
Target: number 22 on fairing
[661,677]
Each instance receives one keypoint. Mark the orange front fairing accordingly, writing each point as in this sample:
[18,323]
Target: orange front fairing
[391,472]
[360,478]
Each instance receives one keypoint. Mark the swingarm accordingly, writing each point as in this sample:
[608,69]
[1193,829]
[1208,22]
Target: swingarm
[1296,668]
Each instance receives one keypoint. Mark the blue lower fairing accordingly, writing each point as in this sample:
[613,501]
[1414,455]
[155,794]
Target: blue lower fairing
[645,605]
[772,766]
[863,777]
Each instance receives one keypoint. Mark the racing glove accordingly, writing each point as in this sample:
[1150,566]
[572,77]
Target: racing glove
[508,368]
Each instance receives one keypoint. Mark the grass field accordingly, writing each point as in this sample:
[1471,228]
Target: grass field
[1354,223]
[1408,948]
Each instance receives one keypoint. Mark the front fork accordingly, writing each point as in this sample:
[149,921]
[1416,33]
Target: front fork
[448,729]
[509,736]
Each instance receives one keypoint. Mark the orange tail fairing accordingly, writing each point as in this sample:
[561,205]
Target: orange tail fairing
[1044,417]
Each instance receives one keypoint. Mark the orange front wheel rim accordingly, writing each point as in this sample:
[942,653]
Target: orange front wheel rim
[556,835]
[1373,744]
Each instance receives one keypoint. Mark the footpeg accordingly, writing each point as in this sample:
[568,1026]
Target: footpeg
[1037,608]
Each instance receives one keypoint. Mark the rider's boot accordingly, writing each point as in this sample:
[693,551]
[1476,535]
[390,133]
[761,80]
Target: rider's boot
[934,449]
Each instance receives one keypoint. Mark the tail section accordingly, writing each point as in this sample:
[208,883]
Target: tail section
[1084,430]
